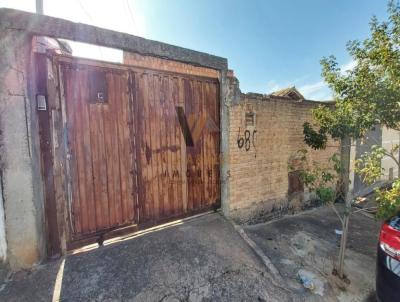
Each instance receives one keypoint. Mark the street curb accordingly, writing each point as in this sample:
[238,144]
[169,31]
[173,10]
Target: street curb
[258,251]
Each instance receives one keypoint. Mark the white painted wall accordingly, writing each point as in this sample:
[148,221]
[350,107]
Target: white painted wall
[3,242]
[387,138]
[353,158]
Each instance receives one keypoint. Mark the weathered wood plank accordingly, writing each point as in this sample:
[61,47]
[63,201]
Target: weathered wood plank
[130,94]
[110,147]
[119,87]
[177,177]
[162,152]
[184,162]
[155,144]
[77,150]
[208,146]
[72,96]
[65,196]
[138,110]
[169,144]
[96,165]
[87,116]
[123,164]
[130,151]
[147,150]
[46,85]
[202,143]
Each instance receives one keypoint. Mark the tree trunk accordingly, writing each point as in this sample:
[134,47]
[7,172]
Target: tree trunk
[343,242]
[345,147]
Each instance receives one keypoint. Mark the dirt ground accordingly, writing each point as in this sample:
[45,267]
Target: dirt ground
[306,245]
[203,259]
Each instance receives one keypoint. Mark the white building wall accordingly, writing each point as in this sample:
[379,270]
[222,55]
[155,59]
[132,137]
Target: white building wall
[389,139]
[352,174]
[385,137]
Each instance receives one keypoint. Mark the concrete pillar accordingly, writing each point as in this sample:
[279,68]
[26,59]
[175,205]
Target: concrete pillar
[20,161]
[230,94]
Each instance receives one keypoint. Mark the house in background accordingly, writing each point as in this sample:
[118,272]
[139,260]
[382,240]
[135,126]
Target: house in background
[382,136]
[290,92]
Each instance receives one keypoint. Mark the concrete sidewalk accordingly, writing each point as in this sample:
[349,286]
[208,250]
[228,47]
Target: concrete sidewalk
[306,244]
[203,259]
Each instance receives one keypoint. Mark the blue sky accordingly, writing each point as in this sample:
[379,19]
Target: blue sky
[269,44]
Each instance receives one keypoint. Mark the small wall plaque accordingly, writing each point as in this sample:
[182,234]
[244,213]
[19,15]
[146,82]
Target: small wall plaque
[41,102]
[97,87]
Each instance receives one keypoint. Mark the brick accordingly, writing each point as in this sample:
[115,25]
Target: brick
[260,174]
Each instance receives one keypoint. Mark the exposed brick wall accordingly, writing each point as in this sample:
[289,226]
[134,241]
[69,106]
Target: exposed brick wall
[167,65]
[259,175]
[258,164]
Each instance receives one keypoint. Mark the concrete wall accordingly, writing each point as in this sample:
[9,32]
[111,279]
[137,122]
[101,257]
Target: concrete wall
[359,147]
[259,170]
[385,137]
[20,161]
[390,138]
[63,29]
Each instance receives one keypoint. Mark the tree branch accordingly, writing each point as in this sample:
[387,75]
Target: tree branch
[364,210]
[336,212]
[390,154]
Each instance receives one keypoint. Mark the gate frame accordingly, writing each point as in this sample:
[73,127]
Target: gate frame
[61,167]
[24,24]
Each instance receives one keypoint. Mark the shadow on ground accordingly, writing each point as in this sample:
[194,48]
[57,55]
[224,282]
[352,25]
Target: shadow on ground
[203,259]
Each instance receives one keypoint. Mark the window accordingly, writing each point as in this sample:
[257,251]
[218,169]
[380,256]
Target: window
[249,119]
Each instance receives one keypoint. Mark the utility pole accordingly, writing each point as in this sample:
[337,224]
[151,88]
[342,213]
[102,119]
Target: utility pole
[39,7]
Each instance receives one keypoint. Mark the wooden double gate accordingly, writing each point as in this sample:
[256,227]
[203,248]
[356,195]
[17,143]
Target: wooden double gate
[142,146]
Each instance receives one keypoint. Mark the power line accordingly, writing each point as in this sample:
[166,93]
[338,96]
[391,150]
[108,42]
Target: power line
[131,14]
[92,20]
[39,7]
[84,10]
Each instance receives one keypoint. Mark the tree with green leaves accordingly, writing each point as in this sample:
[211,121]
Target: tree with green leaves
[322,179]
[370,169]
[365,96]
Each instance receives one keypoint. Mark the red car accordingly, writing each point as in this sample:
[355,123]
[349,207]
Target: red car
[388,262]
